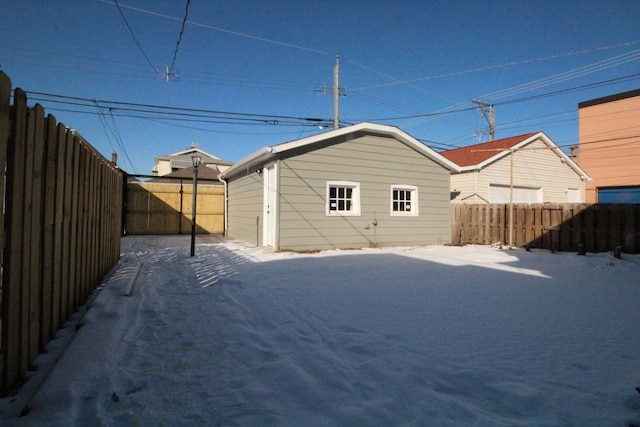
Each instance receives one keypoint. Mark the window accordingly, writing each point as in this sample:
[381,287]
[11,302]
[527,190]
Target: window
[404,200]
[343,198]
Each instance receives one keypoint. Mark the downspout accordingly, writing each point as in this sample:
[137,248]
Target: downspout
[226,207]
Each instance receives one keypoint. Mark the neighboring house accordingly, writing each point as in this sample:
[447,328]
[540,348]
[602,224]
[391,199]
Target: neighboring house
[357,186]
[610,147]
[206,175]
[533,164]
[182,159]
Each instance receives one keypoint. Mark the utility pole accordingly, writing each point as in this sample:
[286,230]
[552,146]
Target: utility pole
[336,94]
[489,114]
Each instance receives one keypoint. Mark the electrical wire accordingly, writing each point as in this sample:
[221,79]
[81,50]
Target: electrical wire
[112,132]
[167,110]
[566,75]
[116,133]
[494,67]
[134,37]
[175,53]
[235,33]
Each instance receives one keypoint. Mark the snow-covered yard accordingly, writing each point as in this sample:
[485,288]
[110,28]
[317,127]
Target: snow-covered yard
[401,336]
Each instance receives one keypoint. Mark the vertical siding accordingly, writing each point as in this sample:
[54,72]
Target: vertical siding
[376,163]
[532,168]
[244,214]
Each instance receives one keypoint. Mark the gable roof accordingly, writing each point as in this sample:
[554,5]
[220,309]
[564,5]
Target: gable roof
[184,156]
[478,156]
[204,173]
[268,153]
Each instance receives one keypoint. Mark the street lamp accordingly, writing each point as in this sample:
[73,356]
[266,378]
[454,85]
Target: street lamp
[196,162]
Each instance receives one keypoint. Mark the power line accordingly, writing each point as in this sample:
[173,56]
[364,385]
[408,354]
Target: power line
[124,18]
[235,33]
[567,75]
[493,67]
[163,109]
[175,52]
[523,99]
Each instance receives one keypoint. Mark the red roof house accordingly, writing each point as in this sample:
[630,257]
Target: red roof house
[532,164]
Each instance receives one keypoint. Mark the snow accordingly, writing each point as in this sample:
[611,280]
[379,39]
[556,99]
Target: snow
[414,336]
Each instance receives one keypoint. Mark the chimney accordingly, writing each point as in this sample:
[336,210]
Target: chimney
[575,153]
[114,158]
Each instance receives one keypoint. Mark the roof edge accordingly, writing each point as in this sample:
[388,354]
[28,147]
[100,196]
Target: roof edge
[257,157]
[609,98]
[268,153]
[547,141]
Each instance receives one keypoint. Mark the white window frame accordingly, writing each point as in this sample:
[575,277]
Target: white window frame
[355,198]
[413,190]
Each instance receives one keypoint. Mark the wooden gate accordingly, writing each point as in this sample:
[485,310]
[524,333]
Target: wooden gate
[165,208]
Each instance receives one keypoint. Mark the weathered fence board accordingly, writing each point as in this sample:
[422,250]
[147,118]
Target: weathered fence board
[62,209]
[566,227]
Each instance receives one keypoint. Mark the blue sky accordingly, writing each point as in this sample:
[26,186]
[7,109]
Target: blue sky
[261,66]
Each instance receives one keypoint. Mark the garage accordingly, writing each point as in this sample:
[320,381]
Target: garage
[502,194]
[619,194]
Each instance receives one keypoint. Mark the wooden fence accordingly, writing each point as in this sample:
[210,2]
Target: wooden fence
[62,214]
[165,208]
[565,227]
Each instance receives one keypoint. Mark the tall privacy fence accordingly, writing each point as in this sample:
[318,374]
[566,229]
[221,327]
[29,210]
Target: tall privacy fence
[164,206]
[62,207]
[566,227]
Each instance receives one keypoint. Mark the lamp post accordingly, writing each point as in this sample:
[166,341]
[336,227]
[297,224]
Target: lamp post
[196,162]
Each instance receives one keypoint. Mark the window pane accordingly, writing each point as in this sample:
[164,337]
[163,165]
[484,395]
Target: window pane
[340,198]
[401,200]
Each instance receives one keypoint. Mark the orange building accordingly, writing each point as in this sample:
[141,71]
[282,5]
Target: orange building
[610,147]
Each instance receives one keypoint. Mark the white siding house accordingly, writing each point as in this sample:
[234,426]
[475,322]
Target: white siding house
[532,164]
[171,163]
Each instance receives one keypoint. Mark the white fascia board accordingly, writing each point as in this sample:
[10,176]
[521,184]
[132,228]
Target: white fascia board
[563,156]
[286,146]
[268,153]
[256,158]
[376,128]
[547,141]
[192,150]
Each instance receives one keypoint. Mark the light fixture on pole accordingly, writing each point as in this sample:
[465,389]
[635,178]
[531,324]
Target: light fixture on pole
[196,162]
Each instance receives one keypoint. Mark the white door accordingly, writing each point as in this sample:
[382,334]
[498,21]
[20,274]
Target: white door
[269,224]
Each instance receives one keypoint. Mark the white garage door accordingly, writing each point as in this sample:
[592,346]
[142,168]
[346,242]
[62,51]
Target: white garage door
[500,194]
